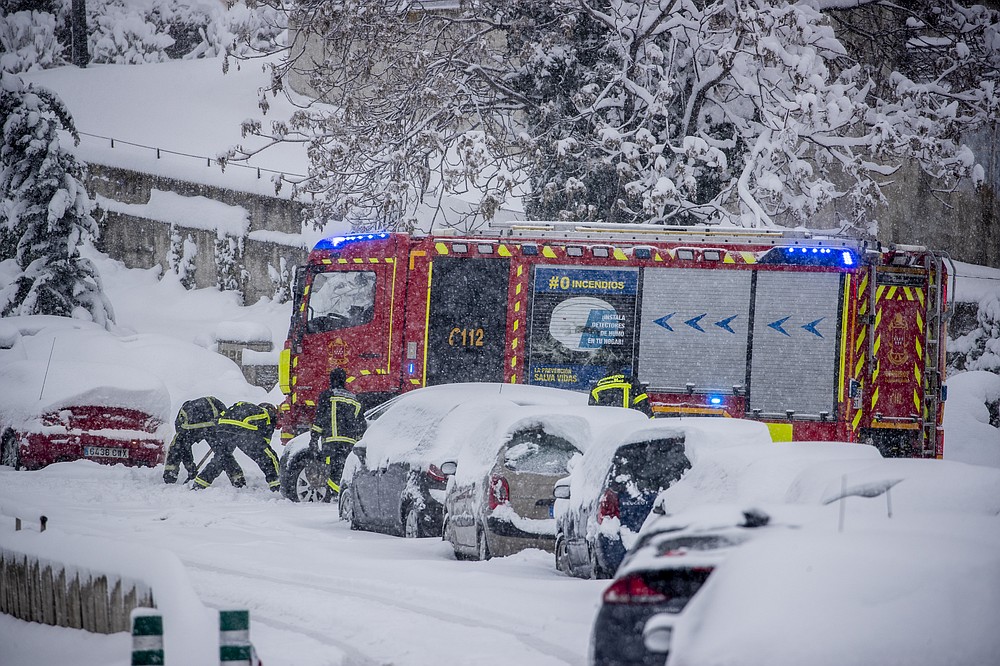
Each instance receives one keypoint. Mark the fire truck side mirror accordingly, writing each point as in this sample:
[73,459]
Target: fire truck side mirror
[944,393]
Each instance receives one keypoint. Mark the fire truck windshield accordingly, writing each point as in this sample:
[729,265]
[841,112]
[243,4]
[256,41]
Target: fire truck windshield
[340,300]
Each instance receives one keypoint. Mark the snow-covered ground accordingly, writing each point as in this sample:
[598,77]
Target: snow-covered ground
[319,594]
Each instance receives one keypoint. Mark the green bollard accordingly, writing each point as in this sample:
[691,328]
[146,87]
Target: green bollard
[147,637]
[234,638]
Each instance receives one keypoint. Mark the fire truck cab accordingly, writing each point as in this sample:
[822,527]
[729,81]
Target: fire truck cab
[822,338]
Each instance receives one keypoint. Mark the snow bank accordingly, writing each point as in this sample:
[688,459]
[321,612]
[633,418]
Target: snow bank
[190,631]
[191,212]
[29,389]
[242,331]
[968,435]
[184,369]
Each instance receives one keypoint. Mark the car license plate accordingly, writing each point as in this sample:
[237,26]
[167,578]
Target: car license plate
[104,452]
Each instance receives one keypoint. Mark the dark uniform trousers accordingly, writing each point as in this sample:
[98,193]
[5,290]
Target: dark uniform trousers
[196,421]
[621,391]
[338,425]
[247,427]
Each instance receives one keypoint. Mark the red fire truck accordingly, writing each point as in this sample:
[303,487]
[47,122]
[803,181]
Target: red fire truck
[821,338]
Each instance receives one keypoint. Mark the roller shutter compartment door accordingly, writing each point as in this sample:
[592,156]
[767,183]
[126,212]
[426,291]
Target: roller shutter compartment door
[694,328]
[796,332]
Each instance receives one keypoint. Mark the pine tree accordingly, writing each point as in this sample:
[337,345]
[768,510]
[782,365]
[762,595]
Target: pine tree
[44,205]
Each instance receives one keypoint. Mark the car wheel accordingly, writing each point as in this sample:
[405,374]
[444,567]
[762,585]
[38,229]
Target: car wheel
[346,508]
[562,556]
[596,570]
[411,523]
[10,454]
[482,547]
[304,479]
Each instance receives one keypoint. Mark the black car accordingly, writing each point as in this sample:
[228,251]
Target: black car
[673,558]
[597,522]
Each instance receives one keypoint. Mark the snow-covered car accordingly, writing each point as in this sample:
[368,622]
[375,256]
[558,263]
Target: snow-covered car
[392,480]
[603,503]
[75,410]
[668,565]
[924,592]
[499,500]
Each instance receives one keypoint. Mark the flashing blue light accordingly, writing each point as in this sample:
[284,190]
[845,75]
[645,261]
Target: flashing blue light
[715,400]
[411,368]
[848,258]
[336,242]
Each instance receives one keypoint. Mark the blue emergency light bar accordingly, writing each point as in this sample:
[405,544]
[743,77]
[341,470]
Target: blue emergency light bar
[337,242]
[714,400]
[811,256]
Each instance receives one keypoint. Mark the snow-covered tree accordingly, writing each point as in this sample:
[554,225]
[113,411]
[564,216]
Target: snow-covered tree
[756,112]
[44,205]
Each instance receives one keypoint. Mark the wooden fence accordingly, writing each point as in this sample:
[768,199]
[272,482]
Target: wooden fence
[45,593]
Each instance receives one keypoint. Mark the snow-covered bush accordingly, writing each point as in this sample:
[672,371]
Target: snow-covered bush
[229,263]
[979,349]
[183,250]
[281,281]
[28,41]
[126,34]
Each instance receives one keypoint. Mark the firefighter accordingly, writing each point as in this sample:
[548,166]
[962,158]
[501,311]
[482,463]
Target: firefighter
[248,427]
[338,424]
[621,390]
[196,421]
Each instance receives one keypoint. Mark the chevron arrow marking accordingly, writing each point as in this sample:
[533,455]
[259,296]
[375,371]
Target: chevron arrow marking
[662,321]
[777,325]
[725,323]
[693,322]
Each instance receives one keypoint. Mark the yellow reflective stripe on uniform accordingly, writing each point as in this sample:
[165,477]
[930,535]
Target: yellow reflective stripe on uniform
[639,398]
[238,424]
[333,485]
[201,482]
[197,426]
[274,460]
[338,438]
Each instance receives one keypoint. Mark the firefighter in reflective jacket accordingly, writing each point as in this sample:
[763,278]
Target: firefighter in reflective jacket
[621,390]
[196,421]
[248,427]
[338,424]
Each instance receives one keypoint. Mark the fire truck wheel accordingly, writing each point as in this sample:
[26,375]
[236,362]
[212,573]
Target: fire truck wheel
[304,477]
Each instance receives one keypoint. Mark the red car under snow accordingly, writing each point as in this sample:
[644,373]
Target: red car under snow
[102,412]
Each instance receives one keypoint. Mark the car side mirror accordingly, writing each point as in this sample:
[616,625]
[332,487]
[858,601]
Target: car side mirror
[360,450]
[658,508]
[449,467]
[561,491]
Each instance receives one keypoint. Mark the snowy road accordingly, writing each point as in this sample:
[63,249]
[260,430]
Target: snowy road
[318,593]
